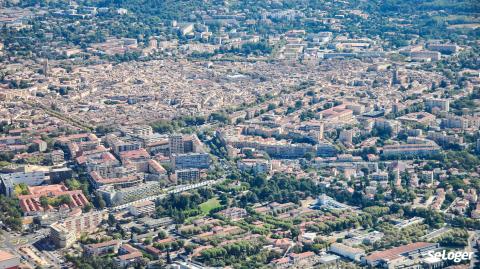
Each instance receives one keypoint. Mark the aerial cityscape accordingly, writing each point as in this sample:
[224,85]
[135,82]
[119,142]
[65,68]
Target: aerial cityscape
[189,134]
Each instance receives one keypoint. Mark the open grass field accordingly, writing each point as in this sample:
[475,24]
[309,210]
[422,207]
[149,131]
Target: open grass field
[209,205]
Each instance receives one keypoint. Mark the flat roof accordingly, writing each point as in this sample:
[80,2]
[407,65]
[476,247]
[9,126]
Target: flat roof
[4,255]
[394,253]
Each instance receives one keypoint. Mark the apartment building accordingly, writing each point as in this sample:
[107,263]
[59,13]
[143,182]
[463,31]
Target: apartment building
[56,157]
[187,175]
[190,160]
[455,122]
[411,150]
[234,213]
[443,48]
[61,236]
[176,144]
[442,138]
[102,248]
[138,130]
[425,55]
[85,222]
[346,136]
[142,208]
[115,197]
[100,161]
[328,202]
[65,232]
[121,177]
[122,144]
[77,143]
[257,166]
[128,256]
[440,104]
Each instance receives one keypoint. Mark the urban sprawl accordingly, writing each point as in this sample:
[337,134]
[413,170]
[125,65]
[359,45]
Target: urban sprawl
[239,134]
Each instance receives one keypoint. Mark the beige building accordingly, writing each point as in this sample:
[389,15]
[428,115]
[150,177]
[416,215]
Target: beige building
[65,232]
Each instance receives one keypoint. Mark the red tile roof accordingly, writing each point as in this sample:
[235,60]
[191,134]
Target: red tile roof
[394,253]
[31,202]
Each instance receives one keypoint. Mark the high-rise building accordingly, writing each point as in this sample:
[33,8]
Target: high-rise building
[176,144]
[65,232]
[321,131]
[61,236]
[187,175]
[191,160]
[395,79]
[346,136]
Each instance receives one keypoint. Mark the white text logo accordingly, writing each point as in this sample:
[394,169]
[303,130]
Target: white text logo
[456,256]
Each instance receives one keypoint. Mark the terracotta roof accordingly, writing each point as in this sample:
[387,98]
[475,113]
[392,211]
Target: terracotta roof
[129,256]
[394,253]
[153,250]
[99,179]
[157,167]
[281,261]
[302,255]
[31,202]
[74,136]
[134,154]
[104,244]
